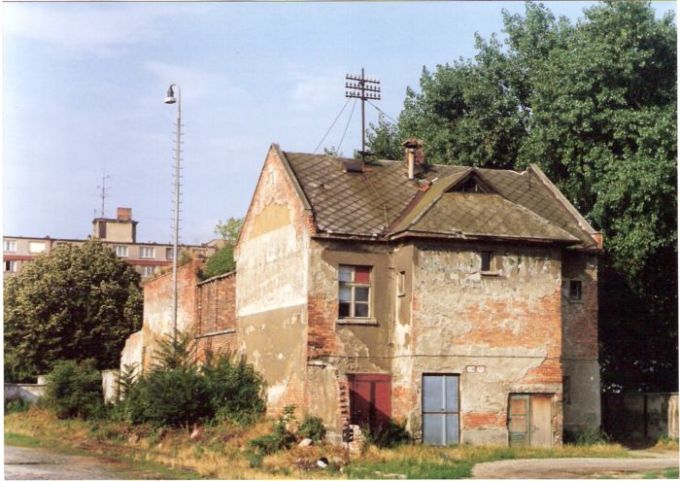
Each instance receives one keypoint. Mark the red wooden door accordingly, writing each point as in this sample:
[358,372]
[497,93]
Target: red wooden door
[370,400]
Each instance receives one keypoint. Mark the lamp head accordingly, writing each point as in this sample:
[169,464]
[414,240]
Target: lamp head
[170,97]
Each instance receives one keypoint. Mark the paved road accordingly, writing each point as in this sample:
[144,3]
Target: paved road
[37,463]
[572,467]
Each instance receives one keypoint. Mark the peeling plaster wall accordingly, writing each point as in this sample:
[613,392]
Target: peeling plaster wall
[271,291]
[580,349]
[338,347]
[510,324]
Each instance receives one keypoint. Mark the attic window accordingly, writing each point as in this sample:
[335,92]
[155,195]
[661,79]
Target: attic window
[491,263]
[471,185]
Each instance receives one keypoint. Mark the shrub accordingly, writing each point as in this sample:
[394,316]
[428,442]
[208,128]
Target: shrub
[280,438]
[173,397]
[312,427]
[16,406]
[74,389]
[586,437]
[235,389]
[391,435]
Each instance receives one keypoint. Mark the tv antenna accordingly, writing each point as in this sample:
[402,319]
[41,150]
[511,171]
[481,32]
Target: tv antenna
[102,192]
[362,88]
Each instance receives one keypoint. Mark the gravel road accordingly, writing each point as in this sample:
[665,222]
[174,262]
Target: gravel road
[37,463]
[572,467]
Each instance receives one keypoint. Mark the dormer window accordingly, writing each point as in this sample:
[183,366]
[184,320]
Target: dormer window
[471,185]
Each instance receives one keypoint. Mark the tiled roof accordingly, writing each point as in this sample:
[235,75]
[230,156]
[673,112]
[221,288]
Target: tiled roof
[381,202]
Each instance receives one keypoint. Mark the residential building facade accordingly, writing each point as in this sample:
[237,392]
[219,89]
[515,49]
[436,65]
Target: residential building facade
[119,233]
[457,300]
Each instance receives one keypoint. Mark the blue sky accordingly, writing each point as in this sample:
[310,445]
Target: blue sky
[84,83]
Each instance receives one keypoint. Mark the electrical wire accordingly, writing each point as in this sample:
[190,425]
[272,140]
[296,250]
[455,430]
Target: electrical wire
[333,124]
[347,125]
[381,111]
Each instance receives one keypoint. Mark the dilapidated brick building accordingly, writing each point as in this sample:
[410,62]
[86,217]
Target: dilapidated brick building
[461,301]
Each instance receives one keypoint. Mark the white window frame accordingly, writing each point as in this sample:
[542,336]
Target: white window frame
[36,247]
[121,251]
[13,266]
[9,245]
[144,250]
[148,271]
[352,284]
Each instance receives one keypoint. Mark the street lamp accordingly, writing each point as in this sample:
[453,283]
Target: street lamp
[170,99]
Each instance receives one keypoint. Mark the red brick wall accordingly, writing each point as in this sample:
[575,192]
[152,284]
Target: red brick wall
[216,313]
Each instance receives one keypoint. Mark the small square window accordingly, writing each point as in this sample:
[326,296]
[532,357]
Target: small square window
[121,251]
[147,252]
[354,291]
[148,271]
[575,290]
[168,253]
[10,246]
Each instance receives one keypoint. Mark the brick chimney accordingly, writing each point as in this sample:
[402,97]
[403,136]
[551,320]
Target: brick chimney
[414,156]
[124,214]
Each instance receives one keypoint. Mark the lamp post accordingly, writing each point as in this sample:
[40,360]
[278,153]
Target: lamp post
[170,99]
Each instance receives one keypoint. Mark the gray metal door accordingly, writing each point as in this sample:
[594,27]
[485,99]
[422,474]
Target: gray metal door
[440,409]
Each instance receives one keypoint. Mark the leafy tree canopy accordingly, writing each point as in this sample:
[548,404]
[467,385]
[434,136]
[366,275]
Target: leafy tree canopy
[75,303]
[593,103]
[223,261]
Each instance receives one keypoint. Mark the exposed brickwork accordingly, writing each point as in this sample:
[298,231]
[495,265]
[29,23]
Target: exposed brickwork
[476,420]
[322,337]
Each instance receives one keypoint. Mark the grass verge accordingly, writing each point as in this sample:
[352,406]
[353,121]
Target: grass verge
[222,452]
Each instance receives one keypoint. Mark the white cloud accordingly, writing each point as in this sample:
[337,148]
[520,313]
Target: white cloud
[93,29]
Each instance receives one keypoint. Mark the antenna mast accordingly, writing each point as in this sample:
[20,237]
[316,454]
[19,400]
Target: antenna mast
[363,88]
[102,194]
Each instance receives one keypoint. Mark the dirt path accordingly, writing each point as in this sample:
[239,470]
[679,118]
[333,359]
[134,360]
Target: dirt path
[573,467]
[41,463]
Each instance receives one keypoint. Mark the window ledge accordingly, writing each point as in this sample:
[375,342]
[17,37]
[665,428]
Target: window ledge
[357,321]
[575,301]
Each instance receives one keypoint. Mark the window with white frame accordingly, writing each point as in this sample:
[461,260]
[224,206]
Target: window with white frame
[354,291]
[168,253]
[10,245]
[121,251]
[36,247]
[147,252]
[148,271]
[11,266]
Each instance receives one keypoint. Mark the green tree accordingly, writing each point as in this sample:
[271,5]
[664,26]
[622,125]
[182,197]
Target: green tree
[594,104]
[75,303]
[229,229]
[223,261]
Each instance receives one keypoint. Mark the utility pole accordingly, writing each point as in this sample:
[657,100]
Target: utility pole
[363,88]
[102,189]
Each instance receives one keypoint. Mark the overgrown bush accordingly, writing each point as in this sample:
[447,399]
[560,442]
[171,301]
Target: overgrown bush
[312,427]
[16,406]
[390,435]
[177,392]
[74,389]
[235,389]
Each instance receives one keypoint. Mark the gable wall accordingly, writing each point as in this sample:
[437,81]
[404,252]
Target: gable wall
[271,291]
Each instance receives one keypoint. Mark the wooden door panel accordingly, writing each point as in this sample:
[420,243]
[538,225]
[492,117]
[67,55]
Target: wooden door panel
[541,421]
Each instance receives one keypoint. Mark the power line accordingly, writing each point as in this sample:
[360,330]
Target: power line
[347,125]
[381,111]
[333,124]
